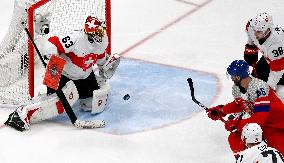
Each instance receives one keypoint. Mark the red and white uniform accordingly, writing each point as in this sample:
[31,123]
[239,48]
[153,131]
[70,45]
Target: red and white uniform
[260,153]
[272,50]
[80,54]
[267,111]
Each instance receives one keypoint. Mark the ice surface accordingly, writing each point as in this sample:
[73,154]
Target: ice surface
[173,32]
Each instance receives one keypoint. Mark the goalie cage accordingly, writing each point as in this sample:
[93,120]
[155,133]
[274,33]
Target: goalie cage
[17,54]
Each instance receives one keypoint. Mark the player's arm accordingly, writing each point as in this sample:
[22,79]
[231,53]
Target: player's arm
[276,64]
[251,50]
[261,107]
[219,111]
[270,155]
[54,45]
[235,106]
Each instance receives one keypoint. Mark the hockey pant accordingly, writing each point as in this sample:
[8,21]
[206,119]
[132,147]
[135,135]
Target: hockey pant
[85,87]
[47,106]
[262,71]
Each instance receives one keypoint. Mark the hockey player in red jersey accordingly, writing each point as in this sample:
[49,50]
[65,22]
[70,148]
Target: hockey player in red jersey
[257,150]
[81,51]
[263,36]
[257,103]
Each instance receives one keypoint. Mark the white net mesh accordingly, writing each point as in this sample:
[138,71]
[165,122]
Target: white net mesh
[70,15]
[67,16]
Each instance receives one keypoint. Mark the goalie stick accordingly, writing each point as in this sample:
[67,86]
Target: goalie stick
[69,111]
[190,84]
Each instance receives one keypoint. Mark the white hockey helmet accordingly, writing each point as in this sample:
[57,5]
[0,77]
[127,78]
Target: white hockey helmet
[262,22]
[252,133]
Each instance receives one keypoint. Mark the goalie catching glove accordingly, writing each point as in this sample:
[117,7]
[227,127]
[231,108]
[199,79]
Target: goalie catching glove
[107,69]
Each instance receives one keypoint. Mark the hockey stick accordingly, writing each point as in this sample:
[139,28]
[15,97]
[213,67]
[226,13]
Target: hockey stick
[190,83]
[69,111]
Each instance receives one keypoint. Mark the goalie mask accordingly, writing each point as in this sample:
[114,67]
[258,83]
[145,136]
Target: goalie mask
[95,29]
[252,133]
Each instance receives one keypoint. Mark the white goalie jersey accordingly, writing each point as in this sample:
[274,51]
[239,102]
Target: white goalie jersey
[260,154]
[80,53]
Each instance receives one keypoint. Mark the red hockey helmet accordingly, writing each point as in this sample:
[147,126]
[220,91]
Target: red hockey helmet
[91,25]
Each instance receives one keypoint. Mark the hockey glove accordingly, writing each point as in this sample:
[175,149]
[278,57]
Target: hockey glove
[232,125]
[215,113]
[251,54]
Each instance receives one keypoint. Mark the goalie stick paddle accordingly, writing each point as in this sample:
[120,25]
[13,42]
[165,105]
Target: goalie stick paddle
[190,84]
[69,111]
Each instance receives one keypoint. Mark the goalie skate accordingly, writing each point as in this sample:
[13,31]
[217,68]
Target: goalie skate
[16,122]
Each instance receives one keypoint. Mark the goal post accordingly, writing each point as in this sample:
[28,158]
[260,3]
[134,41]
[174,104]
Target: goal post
[31,12]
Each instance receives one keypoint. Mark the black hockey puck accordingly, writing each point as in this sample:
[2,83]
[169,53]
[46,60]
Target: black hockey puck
[126,97]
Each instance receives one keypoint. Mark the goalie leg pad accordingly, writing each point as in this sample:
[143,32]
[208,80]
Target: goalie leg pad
[45,107]
[100,97]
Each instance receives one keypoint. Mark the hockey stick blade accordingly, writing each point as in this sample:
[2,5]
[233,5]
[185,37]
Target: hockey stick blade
[90,124]
[190,84]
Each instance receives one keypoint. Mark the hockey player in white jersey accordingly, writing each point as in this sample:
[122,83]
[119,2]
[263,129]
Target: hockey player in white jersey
[263,36]
[257,150]
[78,81]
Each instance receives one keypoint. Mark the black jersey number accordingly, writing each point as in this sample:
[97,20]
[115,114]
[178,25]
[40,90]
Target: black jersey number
[278,52]
[67,42]
[273,154]
[278,29]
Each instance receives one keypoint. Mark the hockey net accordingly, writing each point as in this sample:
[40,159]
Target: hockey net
[18,73]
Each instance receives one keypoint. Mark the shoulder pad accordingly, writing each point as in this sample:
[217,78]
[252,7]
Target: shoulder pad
[257,88]
[68,41]
[236,91]
[279,30]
